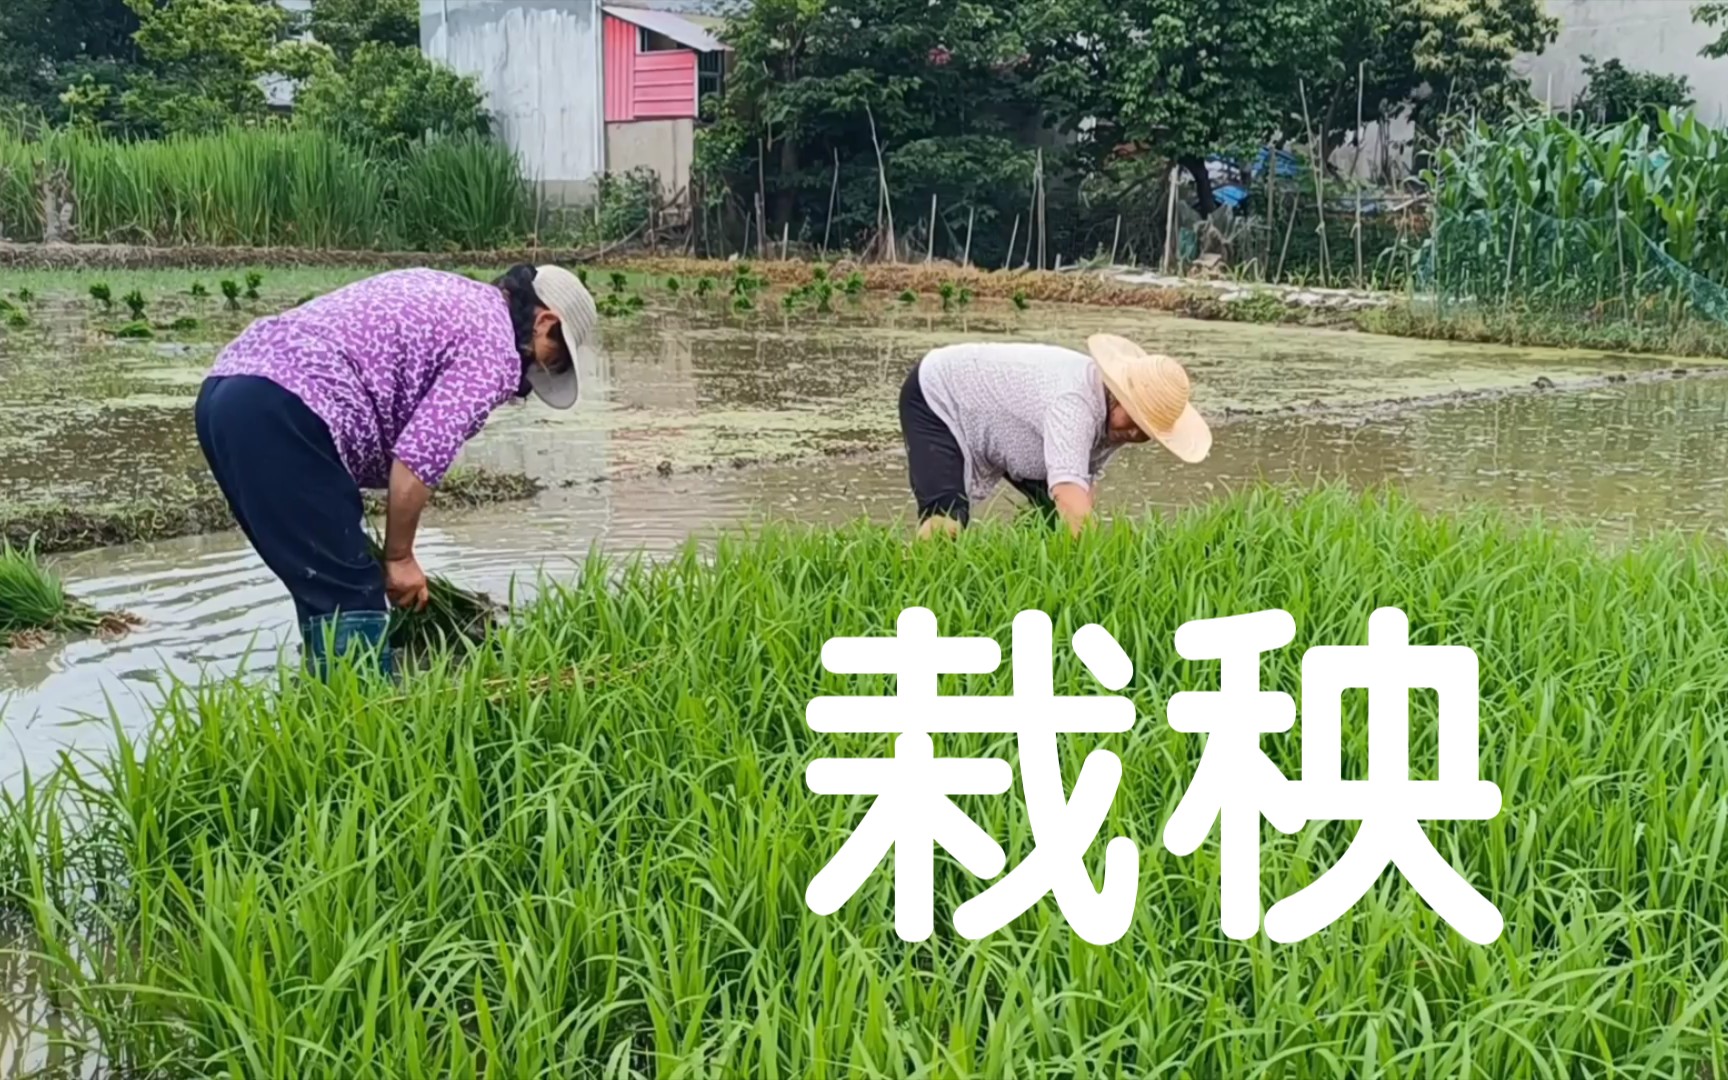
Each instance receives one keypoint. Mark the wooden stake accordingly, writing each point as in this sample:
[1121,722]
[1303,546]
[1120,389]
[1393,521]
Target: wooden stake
[1295,209]
[966,257]
[833,193]
[1008,262]
[785,234]
[1115,240]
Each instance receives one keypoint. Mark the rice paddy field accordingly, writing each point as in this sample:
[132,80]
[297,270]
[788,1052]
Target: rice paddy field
[582,850]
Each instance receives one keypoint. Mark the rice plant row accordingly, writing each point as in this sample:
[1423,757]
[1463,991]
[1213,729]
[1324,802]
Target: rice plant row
[583,851]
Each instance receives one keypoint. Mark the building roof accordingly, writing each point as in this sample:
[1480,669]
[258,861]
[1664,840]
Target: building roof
[676,27]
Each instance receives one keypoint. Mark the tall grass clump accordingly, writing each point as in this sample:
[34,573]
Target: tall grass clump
[584,853]
[269,187]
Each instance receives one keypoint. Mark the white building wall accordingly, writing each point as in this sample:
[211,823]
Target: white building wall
[1646,35]
[538,62]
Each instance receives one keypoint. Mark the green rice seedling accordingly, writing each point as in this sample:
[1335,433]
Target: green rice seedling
[619,281]
[1019,298]
[253,280]
[135,330]
[582,275]
[825,297]
[819,274]
[584,850]
[908,297]
[964,297]
[26,297]
[184,324]
[742,302]
[307,299]
[673,285]
[6,305]
[854,284]
[32,597]
[17,320]
[103,295]
[198,291]
[635,302]
[452,617]
[231,292]
[135,303]
[704,286]
[946,291]
[791,300]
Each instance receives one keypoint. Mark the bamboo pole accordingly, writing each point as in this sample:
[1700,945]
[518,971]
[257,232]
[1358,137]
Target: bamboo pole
[1116,240]
[930,244]
[1031,218]
[833,192]
[971,218]
[1271,209]
[1008,262]
[785,235]
[884,199]
[761,199]
[1317,149]
[1355,178]
[1170,225]
[1289,228]
[1043,210]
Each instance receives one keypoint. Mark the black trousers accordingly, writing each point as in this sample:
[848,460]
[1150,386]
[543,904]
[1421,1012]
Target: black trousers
[278,467]
[936,467]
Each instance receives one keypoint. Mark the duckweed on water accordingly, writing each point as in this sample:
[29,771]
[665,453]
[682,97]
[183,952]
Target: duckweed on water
[584,851]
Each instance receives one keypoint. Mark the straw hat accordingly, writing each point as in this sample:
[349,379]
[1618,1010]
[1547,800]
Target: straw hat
[562,291]
[1154,390]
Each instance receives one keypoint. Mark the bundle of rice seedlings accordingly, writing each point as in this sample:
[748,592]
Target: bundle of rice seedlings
[34,604]
[453,616]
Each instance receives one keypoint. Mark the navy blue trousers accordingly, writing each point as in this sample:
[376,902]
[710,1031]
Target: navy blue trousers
[279,470]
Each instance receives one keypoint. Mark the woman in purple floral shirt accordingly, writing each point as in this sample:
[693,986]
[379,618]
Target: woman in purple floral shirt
[377,385]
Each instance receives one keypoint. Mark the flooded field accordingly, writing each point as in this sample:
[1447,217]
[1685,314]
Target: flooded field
[695,419]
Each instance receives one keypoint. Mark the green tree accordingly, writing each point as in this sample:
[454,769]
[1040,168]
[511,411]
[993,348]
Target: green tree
[1714,14]
[346,25]
[1181,79]
[204,60]
[1616,93]
[389,96]
[47,47]
[944,88]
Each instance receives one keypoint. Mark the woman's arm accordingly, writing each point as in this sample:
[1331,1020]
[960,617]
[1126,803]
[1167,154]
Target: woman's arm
[1074,503]
[404,581]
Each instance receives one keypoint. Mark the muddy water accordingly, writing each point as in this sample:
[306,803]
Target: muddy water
[86,417]
[689,386]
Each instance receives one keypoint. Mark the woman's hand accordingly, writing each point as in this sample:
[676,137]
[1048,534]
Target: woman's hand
[405,583]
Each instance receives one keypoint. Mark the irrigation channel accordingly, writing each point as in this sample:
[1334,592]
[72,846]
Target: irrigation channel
[696,418]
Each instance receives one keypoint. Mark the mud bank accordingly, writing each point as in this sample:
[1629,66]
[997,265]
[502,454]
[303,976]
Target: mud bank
[59,528]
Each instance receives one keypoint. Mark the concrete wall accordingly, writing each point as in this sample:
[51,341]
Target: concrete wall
[1645,35]
[538,62]
[666,146]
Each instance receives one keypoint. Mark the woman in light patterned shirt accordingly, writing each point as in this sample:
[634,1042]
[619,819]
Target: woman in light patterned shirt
[376,385]
[1045,419]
